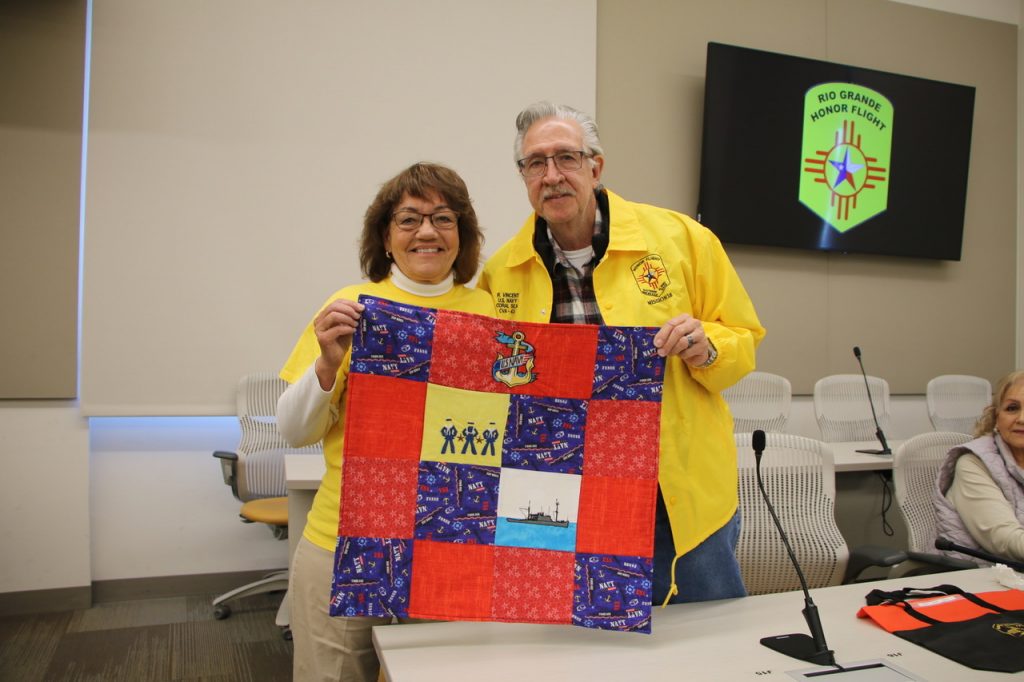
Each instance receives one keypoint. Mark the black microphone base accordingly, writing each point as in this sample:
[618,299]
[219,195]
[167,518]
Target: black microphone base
[883,451]
[800,646]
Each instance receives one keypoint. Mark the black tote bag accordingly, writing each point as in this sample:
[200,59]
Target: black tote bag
[994,641]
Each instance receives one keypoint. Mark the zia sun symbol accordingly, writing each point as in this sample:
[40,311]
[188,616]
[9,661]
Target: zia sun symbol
[846,169]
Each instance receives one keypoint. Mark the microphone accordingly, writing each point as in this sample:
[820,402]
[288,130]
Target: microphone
[878,428]
[811,648]
[950,546]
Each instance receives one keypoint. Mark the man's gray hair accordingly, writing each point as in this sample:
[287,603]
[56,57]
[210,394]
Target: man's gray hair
[539,110]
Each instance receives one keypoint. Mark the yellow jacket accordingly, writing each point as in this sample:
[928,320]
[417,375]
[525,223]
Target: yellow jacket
[660,264]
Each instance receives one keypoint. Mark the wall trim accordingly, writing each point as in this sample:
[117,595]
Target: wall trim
[127,589]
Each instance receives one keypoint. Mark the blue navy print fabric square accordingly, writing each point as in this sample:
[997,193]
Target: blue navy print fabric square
[628,366]
[456,503]
[371,577]
[394,340]
[545,434]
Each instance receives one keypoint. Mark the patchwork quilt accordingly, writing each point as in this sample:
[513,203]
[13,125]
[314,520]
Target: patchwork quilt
[498,470]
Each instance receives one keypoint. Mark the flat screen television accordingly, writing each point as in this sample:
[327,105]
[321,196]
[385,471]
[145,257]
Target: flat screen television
[811,154]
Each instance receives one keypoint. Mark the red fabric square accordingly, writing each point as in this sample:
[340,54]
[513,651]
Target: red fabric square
[622,439]
[533,585]
[378,498]
[616,516]
[451,581]
[466,348]
[384,417]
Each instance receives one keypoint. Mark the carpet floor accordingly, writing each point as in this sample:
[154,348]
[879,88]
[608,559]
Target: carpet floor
[154,639]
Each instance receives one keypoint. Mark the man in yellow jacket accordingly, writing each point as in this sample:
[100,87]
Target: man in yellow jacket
[588,256]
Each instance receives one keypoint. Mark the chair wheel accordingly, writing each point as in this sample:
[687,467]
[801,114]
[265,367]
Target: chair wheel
[221,611]
[287,634]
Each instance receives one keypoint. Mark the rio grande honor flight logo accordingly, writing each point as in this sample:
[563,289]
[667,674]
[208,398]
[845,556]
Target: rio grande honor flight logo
[847,144]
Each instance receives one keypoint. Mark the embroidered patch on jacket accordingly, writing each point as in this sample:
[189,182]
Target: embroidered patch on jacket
[496,470]
[650,275]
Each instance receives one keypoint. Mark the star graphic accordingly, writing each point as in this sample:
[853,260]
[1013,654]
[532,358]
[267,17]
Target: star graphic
[846,170]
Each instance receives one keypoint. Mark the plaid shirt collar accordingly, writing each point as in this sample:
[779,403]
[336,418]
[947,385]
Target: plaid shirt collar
[573,298]
[551,253]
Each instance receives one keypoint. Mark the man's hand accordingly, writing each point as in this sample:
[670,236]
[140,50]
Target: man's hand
[683,336]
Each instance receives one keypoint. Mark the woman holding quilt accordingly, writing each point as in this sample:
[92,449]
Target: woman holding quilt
[420,245]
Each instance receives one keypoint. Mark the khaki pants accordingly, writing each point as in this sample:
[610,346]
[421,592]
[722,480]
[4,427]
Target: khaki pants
[326,648]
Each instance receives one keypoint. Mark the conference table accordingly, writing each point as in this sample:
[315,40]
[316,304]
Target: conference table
[302,473]
[716,640]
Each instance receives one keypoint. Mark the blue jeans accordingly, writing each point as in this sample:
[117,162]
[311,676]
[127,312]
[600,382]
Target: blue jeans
[708,571]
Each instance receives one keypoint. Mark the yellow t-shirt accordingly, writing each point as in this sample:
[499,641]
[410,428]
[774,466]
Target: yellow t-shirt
[322,520]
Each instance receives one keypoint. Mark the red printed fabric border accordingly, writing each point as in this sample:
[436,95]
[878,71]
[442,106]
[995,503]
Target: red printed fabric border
[498,470]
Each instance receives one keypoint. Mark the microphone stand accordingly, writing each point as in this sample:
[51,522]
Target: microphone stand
[811,648]
[878,428]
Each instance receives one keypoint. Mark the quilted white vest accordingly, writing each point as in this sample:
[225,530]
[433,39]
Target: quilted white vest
[1001,466]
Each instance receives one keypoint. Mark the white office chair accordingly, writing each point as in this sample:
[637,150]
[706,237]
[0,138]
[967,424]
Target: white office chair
[915,466]
[842,409]
[956,401]
[760,400]
[799,477]
[255,472]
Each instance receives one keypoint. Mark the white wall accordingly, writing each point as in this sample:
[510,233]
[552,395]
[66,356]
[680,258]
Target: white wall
[44,513]
[159,505]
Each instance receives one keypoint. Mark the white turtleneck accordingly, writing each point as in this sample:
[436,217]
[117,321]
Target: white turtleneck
[399,279]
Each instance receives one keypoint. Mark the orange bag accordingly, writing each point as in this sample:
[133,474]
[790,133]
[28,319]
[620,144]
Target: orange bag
[981,631]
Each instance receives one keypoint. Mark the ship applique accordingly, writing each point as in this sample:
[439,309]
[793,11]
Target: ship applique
[540,518]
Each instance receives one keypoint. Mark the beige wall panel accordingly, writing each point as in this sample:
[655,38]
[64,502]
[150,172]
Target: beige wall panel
[952,317]
[42,49]
[912,318]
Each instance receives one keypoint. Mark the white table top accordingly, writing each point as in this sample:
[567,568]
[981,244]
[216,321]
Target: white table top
[303,471]
[716,640]
[848,459]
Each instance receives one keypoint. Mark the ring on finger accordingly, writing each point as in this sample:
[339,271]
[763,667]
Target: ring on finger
[689,341]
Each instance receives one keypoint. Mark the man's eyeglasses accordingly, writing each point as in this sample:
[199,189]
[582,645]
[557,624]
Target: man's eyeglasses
[411,220]
[535,165]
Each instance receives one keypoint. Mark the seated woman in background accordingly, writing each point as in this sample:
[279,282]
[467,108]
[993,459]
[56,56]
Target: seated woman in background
[420,244]
[979,498]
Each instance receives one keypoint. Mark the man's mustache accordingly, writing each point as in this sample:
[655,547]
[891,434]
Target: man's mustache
[559,190]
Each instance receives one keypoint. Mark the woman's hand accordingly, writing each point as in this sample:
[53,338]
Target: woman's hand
[683,336]
[334,327]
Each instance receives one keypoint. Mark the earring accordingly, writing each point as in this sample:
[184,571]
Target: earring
[388,254]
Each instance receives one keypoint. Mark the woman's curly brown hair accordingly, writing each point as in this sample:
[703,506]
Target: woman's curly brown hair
[421,181]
